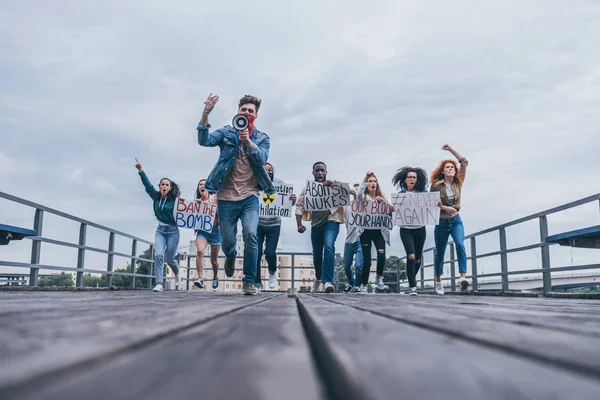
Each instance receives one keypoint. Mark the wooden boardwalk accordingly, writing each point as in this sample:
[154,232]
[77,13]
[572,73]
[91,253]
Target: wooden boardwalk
[191,345]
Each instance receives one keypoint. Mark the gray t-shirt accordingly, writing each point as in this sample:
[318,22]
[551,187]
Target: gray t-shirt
[450,194]
[319,218]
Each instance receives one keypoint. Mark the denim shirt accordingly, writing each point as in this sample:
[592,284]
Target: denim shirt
[228,139]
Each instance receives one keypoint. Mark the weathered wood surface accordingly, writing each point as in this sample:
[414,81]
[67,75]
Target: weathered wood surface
[143,345]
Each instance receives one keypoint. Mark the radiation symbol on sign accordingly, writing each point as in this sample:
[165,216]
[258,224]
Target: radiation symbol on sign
[268,199]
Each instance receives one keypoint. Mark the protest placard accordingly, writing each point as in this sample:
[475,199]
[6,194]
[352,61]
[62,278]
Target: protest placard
[319,197]
[195,215]
[369,214]
[416,208]
[278,204]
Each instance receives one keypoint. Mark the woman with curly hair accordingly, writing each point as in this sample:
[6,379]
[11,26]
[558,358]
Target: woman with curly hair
[371,190]
[167,232]
[448,179]
[412,180]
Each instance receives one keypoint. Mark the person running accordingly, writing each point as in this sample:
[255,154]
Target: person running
[204,238]
[369,189]
[352,251]
[268,232]
[448,179]
[325,227]
[412,180]
[166,238]
[237,177]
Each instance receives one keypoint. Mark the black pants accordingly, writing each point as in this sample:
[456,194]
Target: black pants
[413,241]
[366,238]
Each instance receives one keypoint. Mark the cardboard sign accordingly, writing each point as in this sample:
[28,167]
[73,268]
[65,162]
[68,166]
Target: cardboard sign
[416,208]
[319,197]
[195,215]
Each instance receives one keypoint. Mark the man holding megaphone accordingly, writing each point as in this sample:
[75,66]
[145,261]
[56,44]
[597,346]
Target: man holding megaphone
[237,178]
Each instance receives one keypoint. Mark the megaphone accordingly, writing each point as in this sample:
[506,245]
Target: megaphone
[240,122]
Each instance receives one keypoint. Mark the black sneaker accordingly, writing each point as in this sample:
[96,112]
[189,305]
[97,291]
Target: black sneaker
[249,288]
[464,285]
[229,266]
[348,288]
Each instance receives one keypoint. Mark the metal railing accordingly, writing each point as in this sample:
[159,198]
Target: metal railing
[82,248]
[546,269]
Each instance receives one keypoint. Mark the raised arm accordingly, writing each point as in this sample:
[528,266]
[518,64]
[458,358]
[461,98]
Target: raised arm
[455,153]
[205,138]
[152,192]
[462,161]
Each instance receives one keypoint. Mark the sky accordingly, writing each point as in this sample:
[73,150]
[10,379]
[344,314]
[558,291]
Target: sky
[514,86]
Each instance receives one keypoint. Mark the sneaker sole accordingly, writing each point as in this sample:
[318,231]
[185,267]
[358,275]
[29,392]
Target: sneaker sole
[330,289]
[464,285]
[198,285]
[250,293]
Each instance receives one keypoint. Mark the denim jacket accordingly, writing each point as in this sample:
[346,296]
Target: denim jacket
[228,140]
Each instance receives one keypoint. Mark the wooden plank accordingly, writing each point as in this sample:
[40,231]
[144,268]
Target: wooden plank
[556,317]
[394,360]
[259,352]
[76,327]
[574,351]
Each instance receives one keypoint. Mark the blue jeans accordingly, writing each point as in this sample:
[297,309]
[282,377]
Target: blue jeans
[323,243]
[245,210]
[454,227]
[268,236]
[350,249]
[166,241]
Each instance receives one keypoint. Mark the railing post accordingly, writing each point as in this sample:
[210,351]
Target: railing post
[398,275]
[293,274]
[132,265]
[187,279]
[36,247]
[503,259]
[547,276]
[422,272]
[452,269]
[151,267]
[81,254]
[109,267]
[434,274]
[474,263]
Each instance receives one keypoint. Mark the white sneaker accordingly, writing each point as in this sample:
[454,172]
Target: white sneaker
[158,288]
[363,289]
[199,283]
[272,281]
[329,288]
[316,286]
[413,291]
[379,285]
[177,282]
[439,288]
[464,284]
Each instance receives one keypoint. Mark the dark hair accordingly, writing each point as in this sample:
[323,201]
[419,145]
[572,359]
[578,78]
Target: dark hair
[248,99]
[174,192]
[399,179]
[268,163]
[319,162]
[197,196]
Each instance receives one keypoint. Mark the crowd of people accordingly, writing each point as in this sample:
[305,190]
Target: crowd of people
[242,172]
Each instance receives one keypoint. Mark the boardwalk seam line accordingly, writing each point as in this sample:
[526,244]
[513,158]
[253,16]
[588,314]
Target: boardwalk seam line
[335,379]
